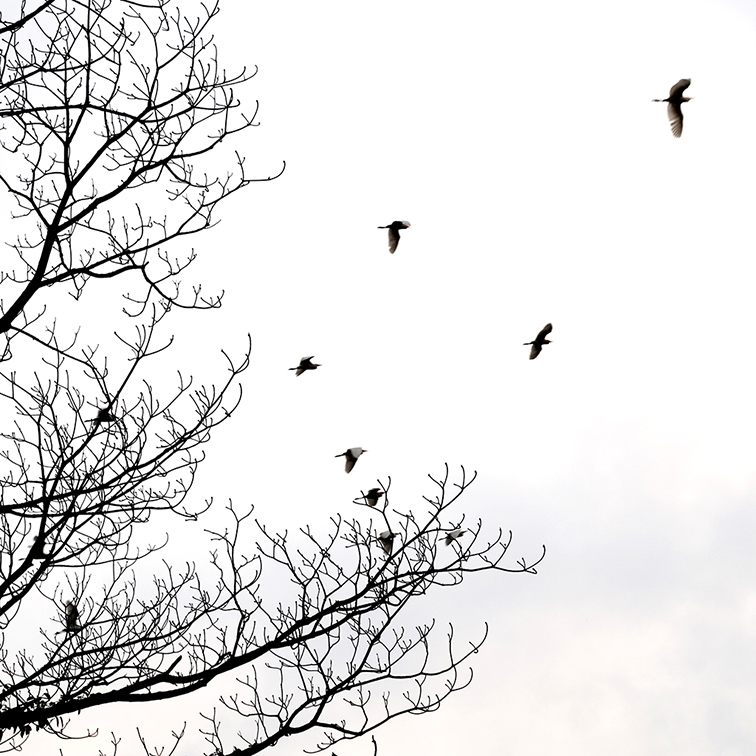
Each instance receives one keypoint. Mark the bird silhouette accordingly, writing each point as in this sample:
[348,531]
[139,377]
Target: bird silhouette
[72,617]
[540,340]
[104,415]
[393,230]
[453,536]
[386,539]
[351,457]
[674,105]
[372,496]
[305,364]
[37,550]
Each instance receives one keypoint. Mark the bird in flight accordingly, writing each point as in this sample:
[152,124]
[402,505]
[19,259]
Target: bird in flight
[305,363]
[453,536]
[351,456]
[386,539]
[104,415]
[540,340]
[394,230]
[674,105]
[372,496]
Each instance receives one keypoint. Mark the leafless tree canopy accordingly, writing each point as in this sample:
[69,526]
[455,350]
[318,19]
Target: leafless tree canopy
[110,113]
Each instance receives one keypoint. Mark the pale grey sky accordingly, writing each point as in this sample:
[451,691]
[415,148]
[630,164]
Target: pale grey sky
[542,185]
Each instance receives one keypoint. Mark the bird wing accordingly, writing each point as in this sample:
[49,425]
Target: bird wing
[545,331]
[535,350]
[674,113]
[679,88]
[393,240]
[350,463]
[300,370]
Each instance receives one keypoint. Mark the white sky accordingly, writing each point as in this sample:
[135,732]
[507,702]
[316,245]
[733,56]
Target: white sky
[542,185]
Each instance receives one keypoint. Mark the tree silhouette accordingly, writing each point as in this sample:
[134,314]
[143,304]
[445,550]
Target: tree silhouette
[111,113]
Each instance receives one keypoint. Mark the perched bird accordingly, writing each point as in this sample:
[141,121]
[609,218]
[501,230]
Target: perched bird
[540,340]
[351,456]
[674,105]
[393,230]
[386,539]
[37,550]
[372,496]
[453,536]
[305,364]
[72,617]
[104,415]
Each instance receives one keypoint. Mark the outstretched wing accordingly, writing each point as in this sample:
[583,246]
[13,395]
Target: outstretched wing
[674,113]
[535,350]
[679,88]
[545,331]
[393,240]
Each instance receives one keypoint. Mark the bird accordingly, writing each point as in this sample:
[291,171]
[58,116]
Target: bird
[372,496]
[351,456]
[104,415]
[393,230]
[305,364]
[453,536]
[540,340]
[37,550]
[72,617]
[386,539]
[674,105]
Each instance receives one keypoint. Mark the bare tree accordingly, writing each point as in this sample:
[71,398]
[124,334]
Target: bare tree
[108,109]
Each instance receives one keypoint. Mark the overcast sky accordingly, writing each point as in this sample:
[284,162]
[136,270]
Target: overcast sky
[542,185]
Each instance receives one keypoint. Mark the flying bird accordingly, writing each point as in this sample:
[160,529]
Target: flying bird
[305,363]
[394,230]
[72,617]
[674,105]
[540,340]
[453,536]
[372,496]
[386,539]
[104,415]
[351,457]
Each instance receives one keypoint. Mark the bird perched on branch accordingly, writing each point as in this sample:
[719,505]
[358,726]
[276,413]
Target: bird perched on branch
[674,105]
[72,617]
[37,550]
[393,230]
[453,536]
[540,340]
[372,496]
[386,539]
[305,363]
[351,457]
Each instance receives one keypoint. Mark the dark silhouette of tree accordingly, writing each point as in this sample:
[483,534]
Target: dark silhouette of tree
[115,116]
